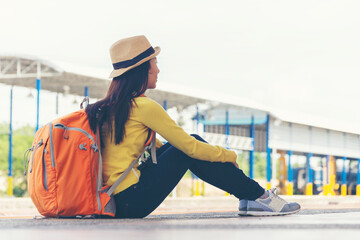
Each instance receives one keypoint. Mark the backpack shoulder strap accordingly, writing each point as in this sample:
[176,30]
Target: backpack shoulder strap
[152,147]
[116,184]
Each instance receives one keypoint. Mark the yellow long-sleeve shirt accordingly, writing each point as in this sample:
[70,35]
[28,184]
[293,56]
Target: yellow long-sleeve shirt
[145,114]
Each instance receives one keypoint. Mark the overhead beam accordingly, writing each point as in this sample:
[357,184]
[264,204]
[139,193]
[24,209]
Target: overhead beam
[8,66]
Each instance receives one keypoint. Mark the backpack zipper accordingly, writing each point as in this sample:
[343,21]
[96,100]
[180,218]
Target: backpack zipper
[44,170]
[27,156]
[60,125]
[51,146]
[32,157]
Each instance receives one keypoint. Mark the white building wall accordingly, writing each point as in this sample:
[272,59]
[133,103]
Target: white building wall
[301,138]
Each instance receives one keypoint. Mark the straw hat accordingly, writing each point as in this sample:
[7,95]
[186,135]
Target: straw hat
[131,52]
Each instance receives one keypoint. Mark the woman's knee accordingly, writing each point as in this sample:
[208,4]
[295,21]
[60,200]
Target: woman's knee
[198,137]
[172,154]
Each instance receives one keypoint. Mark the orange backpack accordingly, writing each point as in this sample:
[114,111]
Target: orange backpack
[65,169]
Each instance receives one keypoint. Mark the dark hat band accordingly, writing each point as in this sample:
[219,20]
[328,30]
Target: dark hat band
[138,58]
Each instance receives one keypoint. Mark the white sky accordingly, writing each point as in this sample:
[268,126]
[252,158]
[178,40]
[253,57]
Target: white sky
[300,58]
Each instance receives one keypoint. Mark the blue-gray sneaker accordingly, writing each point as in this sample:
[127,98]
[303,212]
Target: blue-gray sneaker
[271,206]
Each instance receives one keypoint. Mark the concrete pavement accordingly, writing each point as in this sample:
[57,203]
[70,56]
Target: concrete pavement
[23,207]
[307,224]
[192,218]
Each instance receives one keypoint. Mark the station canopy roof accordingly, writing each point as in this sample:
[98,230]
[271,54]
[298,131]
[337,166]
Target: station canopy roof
[20,70]
[23,71]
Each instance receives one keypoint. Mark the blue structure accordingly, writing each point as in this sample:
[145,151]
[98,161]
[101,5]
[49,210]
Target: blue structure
[343,175]
[251,153]
[197,118]
[358,172]
[308,168]
[86,91]
[227,128]
[290,187]
[10,187]
[165,105]
[290,171]
[328,169]
[309,180]
[38,88]
[268,154]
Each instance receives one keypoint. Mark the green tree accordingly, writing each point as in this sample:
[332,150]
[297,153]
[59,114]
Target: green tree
[22,140]
[259,163]
[243,162]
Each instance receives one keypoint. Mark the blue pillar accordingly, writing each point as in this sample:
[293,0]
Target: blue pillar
[327,169]
[358,172]
[197,131]
[343,176]
[251,157]
[268,152]
[165,105]
[308,168]
[86,91]
[38,88]
[10,187]
[227,128]
[290,171]
[197,119]
[309,190]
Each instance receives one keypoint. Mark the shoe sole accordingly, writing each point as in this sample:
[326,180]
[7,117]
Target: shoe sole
[242,213]
[265,213]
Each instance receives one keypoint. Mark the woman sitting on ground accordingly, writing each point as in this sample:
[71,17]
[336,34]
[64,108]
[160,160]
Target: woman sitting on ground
[126,115]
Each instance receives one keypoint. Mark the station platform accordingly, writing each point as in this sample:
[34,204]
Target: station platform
[11,207]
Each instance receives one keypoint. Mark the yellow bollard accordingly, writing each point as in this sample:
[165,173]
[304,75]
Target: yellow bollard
[326,190]
[290,189]
[332,186]
[197,190]
[10,186]
[282,173]
[343,190]
[309,189]
[203,189]
[268,186]
[358,190]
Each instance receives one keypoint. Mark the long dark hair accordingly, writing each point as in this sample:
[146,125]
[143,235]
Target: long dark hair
[115,108]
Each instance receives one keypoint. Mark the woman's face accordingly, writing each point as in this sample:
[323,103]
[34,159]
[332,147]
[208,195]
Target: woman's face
[153,73]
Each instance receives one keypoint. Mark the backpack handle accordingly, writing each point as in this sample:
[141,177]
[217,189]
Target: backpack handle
[84,102]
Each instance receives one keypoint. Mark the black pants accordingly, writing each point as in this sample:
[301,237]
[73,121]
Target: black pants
[158,180]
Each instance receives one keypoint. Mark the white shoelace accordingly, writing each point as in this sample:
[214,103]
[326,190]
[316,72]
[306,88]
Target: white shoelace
[277,203]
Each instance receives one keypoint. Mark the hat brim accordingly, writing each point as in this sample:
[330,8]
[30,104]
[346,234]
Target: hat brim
[118,72]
